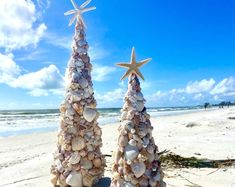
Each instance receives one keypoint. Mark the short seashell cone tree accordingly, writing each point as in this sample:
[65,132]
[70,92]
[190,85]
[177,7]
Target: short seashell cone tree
[136,161]
[78,160]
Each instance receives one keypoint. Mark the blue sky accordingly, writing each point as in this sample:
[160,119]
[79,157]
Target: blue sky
[192,44]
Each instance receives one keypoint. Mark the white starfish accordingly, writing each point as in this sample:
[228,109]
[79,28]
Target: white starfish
[78,11]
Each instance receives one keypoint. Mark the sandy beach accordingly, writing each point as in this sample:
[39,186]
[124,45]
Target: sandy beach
[25,160]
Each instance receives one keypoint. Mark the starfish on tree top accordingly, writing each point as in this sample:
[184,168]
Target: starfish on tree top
[78,11]
[133,66]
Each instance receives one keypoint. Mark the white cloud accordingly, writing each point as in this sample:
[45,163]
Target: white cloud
[8,68]
[200,86]
[101,73]
[40,83]
[225,86]
[196,92]
[18,25]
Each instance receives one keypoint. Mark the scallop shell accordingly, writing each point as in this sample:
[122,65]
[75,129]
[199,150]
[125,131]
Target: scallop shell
[138,169]
[75,158]
[89,114]
[74,179]
[97,162]
[131,152]
[78,143]
[86,164]
[88,180]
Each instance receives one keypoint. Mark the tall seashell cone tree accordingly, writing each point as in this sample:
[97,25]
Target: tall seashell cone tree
[136,161]
[78,160]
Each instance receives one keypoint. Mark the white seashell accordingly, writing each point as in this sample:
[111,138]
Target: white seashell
[74,179]
[131,152]
[54,179]
[75,158]
[86,164]
[89,114]
[78,143]
[138,169]
[140,105]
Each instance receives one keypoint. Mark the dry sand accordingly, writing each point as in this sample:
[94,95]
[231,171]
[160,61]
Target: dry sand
[25,160]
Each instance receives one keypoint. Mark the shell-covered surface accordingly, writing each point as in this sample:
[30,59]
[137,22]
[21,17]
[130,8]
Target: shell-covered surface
[78,160]
[136,162]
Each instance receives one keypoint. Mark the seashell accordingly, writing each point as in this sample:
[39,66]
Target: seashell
[129,184]
[116,176]
[97,130]
[143,156]
[122,140]
[91,155]
[157,177]
[72,130]
[143,181]
[131,152]
[75,158]
[145,141]
[62,181]
[90,90]
[97,162]
[54,179]
[78,108]
[140,105]
[90,148]
[88,180]
[139,96]
[132,142]
[78,143]
[86,164]
[89,114]
[70,112]
[138,169]
[76,97]
[83,83]
[79,63]
[63,108]
[74,179]
[82,153]
[150,149]
[95,171]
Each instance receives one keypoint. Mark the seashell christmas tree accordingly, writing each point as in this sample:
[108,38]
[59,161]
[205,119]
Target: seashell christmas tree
[136,161]
[78,160]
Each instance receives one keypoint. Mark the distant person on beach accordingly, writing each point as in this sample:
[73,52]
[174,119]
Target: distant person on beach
[206,105]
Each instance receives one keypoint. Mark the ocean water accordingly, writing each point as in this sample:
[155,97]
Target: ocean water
[18,122]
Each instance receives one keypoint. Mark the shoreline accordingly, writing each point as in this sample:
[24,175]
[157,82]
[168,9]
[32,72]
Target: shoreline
[25,159]
[104,119]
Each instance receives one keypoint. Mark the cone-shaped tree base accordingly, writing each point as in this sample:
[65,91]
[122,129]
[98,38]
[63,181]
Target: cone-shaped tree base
[136,162]
[78,160]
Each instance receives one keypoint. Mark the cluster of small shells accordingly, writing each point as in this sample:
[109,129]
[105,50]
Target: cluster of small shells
[78,160]
[136,162]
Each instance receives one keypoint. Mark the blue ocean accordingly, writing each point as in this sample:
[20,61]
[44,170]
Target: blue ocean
[18,122]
